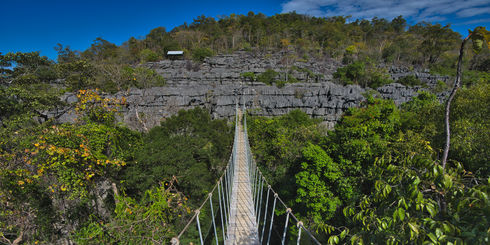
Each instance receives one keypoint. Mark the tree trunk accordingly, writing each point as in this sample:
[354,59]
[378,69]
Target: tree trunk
[115,191]
[19,239]
[457,84]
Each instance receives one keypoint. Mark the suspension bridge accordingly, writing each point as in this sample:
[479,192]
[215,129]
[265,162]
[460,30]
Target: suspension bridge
[242,205]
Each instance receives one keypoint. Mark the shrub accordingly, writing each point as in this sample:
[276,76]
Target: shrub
[148,56]
[250,76]
[199,54]
[268,77]
[378,78]
[410,81]
[440,86]
[351,74]
[363,73]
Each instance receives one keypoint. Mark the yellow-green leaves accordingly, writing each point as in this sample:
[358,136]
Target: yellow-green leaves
[479,36]
[333,240]
[399,214]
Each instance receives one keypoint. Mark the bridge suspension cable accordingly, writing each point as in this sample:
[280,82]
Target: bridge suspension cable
[243,205]
[258,187]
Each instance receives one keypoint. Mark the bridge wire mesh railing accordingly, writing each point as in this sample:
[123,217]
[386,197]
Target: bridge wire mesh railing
[220,207]
[264,219]
[217,228]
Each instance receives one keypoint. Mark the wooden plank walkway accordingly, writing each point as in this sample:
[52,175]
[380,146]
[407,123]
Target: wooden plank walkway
[242,228]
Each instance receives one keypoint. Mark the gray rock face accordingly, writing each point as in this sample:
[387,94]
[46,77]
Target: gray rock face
[216,83]
[226,69]
[146,108]
[424,76]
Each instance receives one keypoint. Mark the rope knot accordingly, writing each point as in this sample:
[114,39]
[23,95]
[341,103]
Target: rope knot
[174,241]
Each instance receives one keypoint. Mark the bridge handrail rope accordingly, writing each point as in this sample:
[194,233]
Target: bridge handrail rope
[224,195]
[224,185]
[257,184]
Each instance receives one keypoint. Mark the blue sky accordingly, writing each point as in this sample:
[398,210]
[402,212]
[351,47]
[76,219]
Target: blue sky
[34,25]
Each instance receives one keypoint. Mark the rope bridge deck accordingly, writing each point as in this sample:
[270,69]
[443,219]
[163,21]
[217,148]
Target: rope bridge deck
[242,228]
[243,210]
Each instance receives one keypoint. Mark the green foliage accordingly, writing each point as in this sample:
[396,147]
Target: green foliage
[26,68]
[250,76]
[190,146]
[409,81]
[49,172]
[82,74]
[278,145]
[470,128]
[318,184]
[437,39]
[351,74]
[199,54]
[441,86]
[309,74]
[470,77]
[378,77]
[406,205]
[363,133]
[289,79]
[78,74]
[479,36]
[364,74]
[101,50]
[379,167]
[32,99]
[148,55]
[474,77]
[268,77]
[152,219]
[66,55]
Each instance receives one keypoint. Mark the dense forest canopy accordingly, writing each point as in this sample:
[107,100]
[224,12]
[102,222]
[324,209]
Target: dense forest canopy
[375,177]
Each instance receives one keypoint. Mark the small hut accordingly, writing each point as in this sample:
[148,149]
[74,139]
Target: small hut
[174,55]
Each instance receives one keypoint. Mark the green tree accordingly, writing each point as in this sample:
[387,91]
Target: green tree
[66,55]
[190,146]
[26,68]
[479,36]
[268,77]
[409,80]
[363,73]
[148,56]
[436,40]
[318,184]
[48,173]
[152,219]
[100,50]
[199,54]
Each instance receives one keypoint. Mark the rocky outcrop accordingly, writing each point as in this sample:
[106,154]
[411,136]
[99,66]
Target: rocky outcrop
[216,83]
[397,72]
[146,108]
[226,69]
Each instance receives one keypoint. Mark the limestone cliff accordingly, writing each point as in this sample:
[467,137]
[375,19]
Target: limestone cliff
[215,83]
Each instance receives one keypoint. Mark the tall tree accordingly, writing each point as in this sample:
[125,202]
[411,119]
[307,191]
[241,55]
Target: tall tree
[478,36]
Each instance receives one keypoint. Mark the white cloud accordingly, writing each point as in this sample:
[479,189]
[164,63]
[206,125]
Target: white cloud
[475,21]
[472,12]
[419,10]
